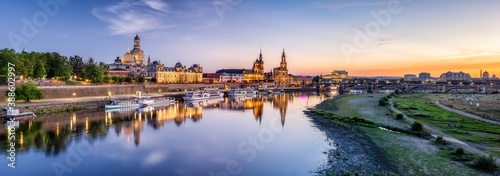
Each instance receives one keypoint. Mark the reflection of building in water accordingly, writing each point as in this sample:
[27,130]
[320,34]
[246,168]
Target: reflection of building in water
[155,118]
[177,112]
[243,103]
[135,127]
[281,102]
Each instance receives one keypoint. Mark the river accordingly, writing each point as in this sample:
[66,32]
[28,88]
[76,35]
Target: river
[266,135]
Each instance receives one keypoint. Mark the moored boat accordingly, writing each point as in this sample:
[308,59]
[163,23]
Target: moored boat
[155,101]
[196,95]
[118,104]
[215,93]
[14,114]
[237,92]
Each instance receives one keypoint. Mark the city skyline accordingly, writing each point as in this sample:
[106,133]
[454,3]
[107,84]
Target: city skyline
[417,37]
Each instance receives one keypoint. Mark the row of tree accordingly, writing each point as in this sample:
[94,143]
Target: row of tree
[49,65]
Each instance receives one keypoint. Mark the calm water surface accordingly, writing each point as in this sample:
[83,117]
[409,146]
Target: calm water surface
[267,135]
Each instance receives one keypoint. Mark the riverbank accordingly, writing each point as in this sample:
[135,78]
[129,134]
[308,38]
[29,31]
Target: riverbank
[405,154]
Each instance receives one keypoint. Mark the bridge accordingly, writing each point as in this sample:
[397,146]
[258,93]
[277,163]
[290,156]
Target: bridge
[406,87]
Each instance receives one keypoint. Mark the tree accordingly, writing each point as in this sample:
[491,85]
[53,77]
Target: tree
[39,70]
[58,66]
[104,68]
[128,79]
[141,79]
[94,73]
[153,79]
[108,79]
[6,56]
[115,79]
[77,64]
[27,92]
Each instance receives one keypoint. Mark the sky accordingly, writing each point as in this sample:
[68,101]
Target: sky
[366,38]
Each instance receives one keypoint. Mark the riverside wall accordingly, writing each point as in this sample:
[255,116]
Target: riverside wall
[52,92]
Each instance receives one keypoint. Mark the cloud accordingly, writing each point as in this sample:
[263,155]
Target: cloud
[156,4]
[340,5]
[154,158]
[128,17]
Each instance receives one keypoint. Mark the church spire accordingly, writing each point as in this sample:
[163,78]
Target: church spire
[260,55]
[283,56]
[149,60]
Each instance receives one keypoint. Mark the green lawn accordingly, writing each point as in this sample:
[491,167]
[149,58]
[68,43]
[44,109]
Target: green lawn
[422,108]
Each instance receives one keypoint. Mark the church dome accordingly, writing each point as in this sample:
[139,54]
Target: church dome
[128,59]
[178,65]
[196,66]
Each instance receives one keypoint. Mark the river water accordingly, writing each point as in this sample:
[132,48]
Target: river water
[266,135]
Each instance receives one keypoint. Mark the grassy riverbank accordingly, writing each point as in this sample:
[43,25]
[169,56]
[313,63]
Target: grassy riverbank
[410,155]
[489,103]
[482,135]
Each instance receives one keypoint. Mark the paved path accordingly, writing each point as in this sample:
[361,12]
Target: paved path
[433,131]
[465,113]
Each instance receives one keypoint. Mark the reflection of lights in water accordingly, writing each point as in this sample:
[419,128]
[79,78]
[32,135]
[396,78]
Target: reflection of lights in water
[30,123]
[57,129]
[86,124]
[303,97]
[21,139]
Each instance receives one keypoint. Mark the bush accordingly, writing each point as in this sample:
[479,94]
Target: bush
[417,126]
[27,92]
[460,151]
[399,116]
[141,79]
[383,101]
[440,140]
[485,163]
[107,79]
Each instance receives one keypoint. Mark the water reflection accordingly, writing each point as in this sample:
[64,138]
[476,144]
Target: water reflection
[52,134]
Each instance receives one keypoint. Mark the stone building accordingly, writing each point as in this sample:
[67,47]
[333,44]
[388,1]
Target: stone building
[335,77]
[455,76]
[177,74]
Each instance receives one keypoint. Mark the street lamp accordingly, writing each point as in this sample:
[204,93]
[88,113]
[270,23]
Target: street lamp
[74,94]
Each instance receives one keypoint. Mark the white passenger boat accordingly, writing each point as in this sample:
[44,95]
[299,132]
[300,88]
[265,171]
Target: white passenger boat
[196,95]
[242,92]
[201,103]
[118,104]
[250,92]
[215,93]
[148,101]
[237,92]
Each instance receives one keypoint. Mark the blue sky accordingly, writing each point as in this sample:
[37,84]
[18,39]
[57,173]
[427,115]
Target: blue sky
[423,36]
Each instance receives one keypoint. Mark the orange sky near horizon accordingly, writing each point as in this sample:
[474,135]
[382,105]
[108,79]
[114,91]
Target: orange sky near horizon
[436,66]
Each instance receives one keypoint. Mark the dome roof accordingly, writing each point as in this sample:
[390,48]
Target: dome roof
[178,65]
[196,66]
[128,58]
